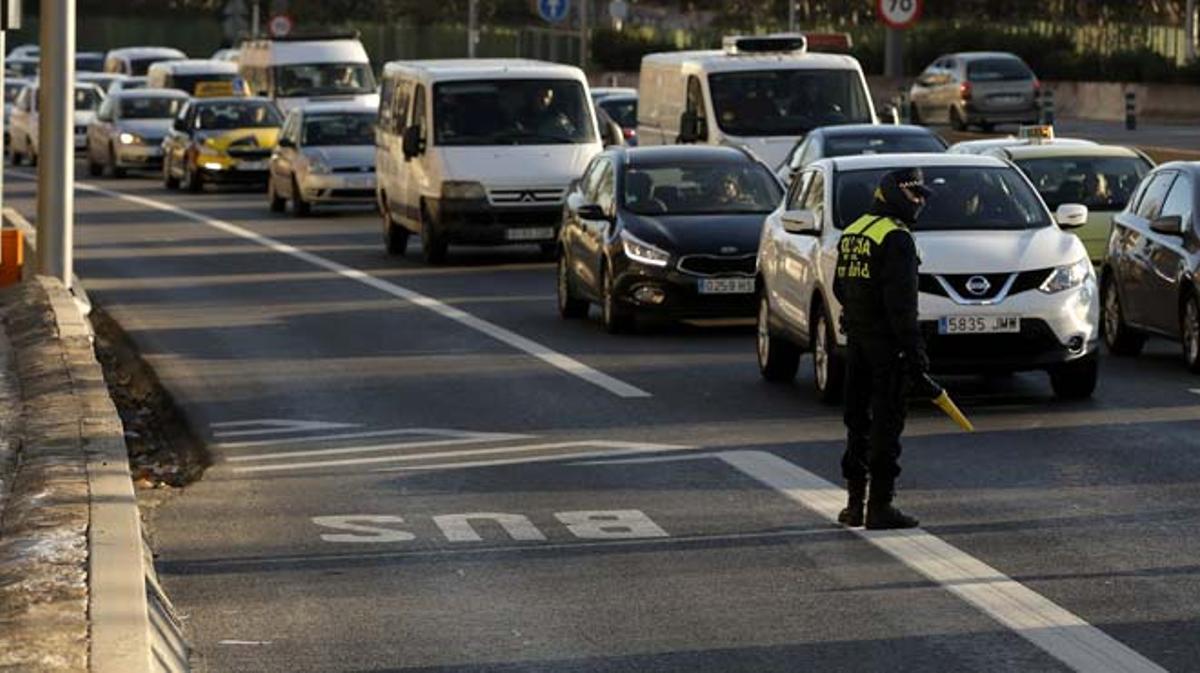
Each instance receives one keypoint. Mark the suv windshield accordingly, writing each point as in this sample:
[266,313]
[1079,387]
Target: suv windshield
[511,112]
[964,198]
[323,79]
[1100,183]
[236,115]
[881,143]
[701,189]
[339,129]
[787,102]
[150,108]
[998,70]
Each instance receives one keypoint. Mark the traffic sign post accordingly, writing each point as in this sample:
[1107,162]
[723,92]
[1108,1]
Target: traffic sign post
[553,11]
[280,25]
[897,15]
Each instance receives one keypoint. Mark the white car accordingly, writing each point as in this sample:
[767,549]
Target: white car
[326,154]
[23,132]
[1003,288]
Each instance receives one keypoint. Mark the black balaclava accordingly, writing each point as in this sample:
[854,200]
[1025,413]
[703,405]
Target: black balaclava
[901,195]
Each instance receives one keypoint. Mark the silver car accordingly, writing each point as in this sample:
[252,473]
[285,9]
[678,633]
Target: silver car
[979,88]
[129,128]
[326,154]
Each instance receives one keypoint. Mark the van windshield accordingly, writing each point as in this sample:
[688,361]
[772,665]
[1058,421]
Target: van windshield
[323,79]
[512,112]
[787,102]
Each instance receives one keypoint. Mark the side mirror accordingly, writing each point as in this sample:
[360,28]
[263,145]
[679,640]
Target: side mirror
[1171,225]
[180,125]
[800,222]
[690,130]
[888,114]
[1071,215]
[614,135]
[286,142]
[412,144]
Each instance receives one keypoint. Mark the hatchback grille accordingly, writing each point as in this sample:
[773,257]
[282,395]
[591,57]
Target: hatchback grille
[519,197]
[351,193]
[718,265]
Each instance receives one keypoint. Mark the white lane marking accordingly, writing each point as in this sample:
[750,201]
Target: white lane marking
[375,448]
[1051,628]
[1194,391]
[244,642]
[544,353]
[649,448]
[435,432]
[273,426]
[443,454]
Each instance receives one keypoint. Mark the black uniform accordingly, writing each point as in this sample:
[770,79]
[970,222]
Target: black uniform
[876,284]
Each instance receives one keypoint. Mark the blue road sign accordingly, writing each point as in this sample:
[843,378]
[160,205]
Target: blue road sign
[554,10]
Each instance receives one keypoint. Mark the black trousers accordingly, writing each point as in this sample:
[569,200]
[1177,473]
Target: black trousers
[876,387]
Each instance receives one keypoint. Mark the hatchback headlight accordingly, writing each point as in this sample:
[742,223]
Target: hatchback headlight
[461,190]
[318,167]
[641,251]
[129,139]
[1067,277]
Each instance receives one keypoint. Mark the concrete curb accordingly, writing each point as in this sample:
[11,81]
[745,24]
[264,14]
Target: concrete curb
[77,585]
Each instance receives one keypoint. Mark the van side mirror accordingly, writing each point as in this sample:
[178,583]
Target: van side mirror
[412,144]
[800,222]
[614,135]
[1071,215]
[1171,225]
[691,128]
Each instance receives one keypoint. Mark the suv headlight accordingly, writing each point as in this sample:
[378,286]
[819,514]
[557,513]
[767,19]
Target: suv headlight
[458,190]
[641,251]
[1067,277]
[127,138]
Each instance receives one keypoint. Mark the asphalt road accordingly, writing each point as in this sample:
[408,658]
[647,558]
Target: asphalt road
[425,469]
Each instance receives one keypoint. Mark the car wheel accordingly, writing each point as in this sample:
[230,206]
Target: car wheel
[778,358]
[169,180]
[433,246]
[114,170]
[191,178]
[1075,380]
[395,237]
[829,372]
[1118,337]
[300,207]
[93,167]
[569,306]
[275,202]
[956,120]
[1190,333]
[615,317]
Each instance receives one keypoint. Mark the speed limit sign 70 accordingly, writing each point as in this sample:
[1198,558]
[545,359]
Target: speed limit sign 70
[898,14]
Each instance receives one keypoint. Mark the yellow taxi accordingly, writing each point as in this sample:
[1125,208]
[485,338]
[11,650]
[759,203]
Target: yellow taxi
[225,140]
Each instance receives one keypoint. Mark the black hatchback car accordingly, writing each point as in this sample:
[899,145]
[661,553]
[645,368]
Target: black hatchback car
[1149,282]
[667,231]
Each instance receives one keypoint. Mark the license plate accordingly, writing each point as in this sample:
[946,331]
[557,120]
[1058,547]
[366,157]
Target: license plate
[252,166]
[361,183]
[1006,100]
[530,234]
[726,286]
[979,324]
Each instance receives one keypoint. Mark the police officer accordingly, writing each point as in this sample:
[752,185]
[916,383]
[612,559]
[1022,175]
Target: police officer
[877,285]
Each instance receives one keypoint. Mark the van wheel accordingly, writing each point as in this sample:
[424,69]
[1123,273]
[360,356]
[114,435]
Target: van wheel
[1118,337]
[956,120]
[778,358]
[395,237]
[169,180]
[433,247]
[1075,380]
[1189,330]
[829,372]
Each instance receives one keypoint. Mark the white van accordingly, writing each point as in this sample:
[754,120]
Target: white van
[194,76]
[761,92]
[480,151]
[295,70]
[136,61]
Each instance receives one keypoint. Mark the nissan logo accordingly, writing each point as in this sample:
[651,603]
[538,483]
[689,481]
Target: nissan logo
[978,285]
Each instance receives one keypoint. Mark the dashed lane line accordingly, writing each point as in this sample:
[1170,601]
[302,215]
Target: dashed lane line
[542,352]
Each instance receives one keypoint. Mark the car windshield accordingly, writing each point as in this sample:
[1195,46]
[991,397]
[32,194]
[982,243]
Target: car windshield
[150,108]
[89,63]
[964,198]
[1100,183]
[787,102]
[236,115]
[87,98]
[998,70]
[700,189]
[356,128]
[323,79]
[139,66]
[622,111]
[512,112]
[881,143]
[188,82]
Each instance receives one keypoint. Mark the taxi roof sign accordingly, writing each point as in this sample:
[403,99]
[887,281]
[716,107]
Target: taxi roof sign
[218,89]
[1036,132]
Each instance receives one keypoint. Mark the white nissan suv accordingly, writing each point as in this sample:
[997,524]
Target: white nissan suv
[1003,288]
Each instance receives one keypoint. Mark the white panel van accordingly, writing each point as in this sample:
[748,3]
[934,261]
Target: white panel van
[763,93]
[296,70]
[480,151]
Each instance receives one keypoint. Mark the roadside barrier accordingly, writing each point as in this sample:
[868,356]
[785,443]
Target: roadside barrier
[1131,110]
[1046,95]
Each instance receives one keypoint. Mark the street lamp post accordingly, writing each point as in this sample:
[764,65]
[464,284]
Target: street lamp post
[472,27]
[56,140]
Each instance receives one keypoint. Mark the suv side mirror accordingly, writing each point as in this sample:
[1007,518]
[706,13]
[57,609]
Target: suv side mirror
[584,210]
[1071,215]
[1171,225]
[412,144]
[690,128]
[800,222]
[286,142]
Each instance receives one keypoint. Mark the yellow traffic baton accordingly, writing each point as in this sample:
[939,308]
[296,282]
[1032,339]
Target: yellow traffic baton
[927,387]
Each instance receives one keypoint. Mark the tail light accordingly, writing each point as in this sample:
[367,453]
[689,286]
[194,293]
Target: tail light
[629,133]
[964,90]
[1037,86]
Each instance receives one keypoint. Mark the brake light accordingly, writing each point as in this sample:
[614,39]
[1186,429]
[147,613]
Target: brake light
[629,133]
[964,90]
[1037,85]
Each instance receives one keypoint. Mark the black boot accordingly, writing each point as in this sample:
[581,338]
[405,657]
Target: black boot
[881,515]
[856,491]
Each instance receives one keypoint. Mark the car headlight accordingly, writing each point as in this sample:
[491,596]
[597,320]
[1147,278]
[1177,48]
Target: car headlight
[642,252]
[129,139]
[318,167]
[463,191]
[1067,277]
